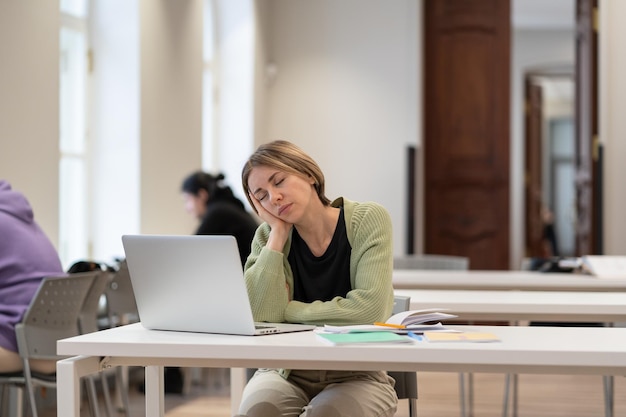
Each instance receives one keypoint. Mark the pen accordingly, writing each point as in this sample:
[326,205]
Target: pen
[415,336]
[395,326]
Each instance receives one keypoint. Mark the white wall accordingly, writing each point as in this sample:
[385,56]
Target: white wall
[170,115]
[29,105]
[346,91]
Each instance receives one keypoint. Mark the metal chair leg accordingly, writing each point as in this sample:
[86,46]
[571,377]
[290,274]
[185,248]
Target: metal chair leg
[12,401]
[92,396]
[607,381]
[515,393]
[462,392]
[470,394]
[107,394]
[412,407]
[505,401]
[121,377]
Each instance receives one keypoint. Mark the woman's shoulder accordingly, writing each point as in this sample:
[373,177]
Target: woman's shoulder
[364,217]
[360,208]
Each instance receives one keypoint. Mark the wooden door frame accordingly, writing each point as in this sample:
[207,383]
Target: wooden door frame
[588,164]
[533,155]
[588,207]
[533,138]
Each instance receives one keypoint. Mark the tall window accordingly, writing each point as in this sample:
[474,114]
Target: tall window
[73,231]
[228,99]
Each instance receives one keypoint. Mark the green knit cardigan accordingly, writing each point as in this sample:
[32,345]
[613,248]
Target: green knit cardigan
[369,230]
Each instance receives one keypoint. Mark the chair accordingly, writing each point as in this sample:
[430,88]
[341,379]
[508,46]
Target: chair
[88,323]
[52,315]
[431,262]
[406,382]
[121,309]
[441,262]
[120,299]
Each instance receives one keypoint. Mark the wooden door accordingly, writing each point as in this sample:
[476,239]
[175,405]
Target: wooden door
[466,136]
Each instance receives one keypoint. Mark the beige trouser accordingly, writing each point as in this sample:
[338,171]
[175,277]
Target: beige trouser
[11,362]
[319,394]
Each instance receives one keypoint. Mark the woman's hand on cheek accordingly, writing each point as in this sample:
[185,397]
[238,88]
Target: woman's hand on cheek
[265,215]
[279,228]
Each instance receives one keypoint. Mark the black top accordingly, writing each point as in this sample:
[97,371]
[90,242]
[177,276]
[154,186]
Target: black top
[325,277]
[225,217]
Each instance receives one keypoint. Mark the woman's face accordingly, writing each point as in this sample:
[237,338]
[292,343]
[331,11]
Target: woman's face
[195,204]
[284,195]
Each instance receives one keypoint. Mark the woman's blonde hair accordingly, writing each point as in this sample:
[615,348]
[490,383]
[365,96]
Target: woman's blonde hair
[286,157]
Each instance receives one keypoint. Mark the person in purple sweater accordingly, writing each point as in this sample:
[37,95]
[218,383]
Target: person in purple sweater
[26,256]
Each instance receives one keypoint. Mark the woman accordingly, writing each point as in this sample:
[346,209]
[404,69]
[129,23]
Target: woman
[219,211]
[316,262]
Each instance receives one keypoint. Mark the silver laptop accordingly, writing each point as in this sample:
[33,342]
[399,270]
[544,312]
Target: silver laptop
[193,284]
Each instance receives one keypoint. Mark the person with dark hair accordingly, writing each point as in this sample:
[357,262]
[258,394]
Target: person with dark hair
[26,257]
[548,238]
[219,211]
[315,261]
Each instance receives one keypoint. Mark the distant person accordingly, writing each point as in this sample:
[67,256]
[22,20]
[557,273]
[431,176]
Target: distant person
[549,242]
[26,257]
[220,213]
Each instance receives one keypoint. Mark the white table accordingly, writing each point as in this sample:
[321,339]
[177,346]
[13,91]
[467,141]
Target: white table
[503,280]
[515,306]
[539,350]
[550,306]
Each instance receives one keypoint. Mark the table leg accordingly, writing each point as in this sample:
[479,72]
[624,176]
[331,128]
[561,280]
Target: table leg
[155,405]
[238,379]
[69,372]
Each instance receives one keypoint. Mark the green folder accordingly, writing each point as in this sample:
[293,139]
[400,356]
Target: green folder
[362,338]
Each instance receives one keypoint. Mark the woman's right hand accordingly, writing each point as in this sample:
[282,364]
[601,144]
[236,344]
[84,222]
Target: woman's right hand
[279,229]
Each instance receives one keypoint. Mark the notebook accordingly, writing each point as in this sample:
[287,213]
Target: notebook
[194,284]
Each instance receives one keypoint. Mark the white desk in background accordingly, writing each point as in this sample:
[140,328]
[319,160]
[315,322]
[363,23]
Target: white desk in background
[515,306]
[539,350]
[503,280]
[549,306]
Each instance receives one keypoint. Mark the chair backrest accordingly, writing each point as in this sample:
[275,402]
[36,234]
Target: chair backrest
[88,316]
[428,261]
[52,315]
[121,304]
[401,303]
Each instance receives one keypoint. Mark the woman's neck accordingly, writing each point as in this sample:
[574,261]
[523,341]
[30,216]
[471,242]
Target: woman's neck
[318,232]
